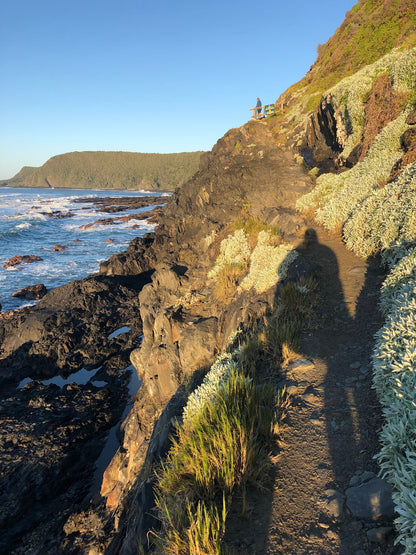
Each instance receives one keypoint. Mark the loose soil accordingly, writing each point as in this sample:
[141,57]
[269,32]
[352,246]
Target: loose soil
[331,430]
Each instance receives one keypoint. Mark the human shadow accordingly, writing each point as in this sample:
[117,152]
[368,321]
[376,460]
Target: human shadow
[346,407]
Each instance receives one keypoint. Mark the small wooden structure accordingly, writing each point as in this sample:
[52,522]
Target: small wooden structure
[266,110]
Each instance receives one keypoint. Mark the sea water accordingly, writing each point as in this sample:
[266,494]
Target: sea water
[26,229]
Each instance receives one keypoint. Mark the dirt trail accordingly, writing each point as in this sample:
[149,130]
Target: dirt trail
[330,434]
[332,424]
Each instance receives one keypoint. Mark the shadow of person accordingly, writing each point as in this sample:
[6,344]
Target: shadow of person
[335,398]
[331,345]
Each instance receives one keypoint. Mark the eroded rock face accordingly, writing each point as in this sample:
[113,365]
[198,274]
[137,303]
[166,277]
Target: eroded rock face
[183,325]
[32,292]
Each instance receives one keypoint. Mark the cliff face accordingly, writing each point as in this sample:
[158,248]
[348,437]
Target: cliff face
[184,324]
[251,173]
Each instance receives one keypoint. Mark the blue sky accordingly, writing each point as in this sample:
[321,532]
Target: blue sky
[146,75]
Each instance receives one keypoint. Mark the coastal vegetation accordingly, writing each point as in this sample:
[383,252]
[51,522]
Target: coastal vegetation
[371,29]
[110,170]
[230,426]
[373,203]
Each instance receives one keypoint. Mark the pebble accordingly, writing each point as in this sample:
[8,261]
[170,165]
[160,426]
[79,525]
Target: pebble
[334,503]
[355,365]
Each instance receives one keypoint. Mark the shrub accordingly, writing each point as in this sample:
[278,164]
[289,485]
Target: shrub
[394,363]
[222,444]
[268,264]
[337,195]
[386,216]
[234,251]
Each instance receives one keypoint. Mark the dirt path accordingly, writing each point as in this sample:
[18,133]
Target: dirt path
[331,429]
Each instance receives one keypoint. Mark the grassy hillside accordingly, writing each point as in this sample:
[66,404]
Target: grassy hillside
[371,29]
[110,170]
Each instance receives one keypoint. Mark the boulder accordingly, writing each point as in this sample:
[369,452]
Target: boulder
[371,500]
[25,259]
[59,248]
[32,292]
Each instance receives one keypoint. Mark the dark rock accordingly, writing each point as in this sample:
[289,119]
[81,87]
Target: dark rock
[26,259]
[32,292]
[334,503]
[57,214]
[408,139]
[371,500]
[59,248]
[411,118]
[137,259]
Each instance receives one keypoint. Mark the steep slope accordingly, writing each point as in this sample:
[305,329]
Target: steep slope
[359,151]
[110,170]
[347,126]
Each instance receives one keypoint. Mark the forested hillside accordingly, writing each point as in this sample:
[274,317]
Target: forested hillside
[110,170]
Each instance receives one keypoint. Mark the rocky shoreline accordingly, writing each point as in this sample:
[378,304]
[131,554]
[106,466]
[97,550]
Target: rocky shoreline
[159,289]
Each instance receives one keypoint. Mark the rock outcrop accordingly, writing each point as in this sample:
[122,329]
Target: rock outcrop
[32,292]
[184,325]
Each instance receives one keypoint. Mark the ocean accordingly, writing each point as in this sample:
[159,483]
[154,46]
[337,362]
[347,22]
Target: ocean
[33,221]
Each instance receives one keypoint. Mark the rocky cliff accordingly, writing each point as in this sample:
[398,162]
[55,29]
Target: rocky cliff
[168,288]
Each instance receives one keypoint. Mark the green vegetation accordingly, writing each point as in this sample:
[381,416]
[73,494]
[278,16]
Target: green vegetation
[251,257]
[110,170]
[384,217]
[228,427]
[395,382]
[222,445]
[370,30]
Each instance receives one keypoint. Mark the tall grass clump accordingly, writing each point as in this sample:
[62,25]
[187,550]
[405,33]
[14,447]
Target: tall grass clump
[221,446]
[296,310]
[386,216]
[337,195]
[394,363]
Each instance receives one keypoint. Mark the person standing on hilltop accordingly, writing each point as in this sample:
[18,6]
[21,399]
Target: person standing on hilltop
[258,105]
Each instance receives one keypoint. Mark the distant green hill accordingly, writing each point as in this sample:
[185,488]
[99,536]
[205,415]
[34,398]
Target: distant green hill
[110,170]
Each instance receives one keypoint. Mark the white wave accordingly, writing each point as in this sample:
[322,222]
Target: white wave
[27,225]
[142,224]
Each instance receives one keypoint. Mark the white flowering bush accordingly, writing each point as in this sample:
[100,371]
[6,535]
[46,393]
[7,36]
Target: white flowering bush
[397,250]
[207,391]
[356,184]
[398,288]
[268,264]
[403,72]
[234,251]
[386,216]
[394,363]
[348,96]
